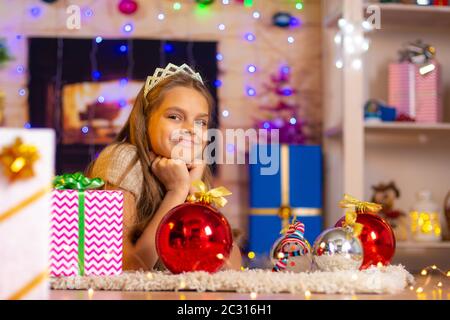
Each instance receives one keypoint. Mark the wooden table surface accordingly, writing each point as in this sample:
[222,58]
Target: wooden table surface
[425,289]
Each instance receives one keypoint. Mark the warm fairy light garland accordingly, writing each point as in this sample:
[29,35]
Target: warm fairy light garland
[426,272]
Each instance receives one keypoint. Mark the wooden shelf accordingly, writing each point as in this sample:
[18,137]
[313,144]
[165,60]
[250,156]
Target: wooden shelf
[423,245]
[397,14]
[412,127]
[395,127]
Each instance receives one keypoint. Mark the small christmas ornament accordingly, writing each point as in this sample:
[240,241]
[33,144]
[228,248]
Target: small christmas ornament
[283,19]
[18,160]
[417,52]
[292,252]
[338,249]
[376,236]
[128,7]
[195,236]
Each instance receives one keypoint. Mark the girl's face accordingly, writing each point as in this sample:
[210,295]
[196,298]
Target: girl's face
[177,128]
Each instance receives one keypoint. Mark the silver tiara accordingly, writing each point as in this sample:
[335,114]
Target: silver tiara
[168,71]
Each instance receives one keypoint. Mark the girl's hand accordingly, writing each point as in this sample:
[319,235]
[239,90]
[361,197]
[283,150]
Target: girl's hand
[172,173]
[195,173]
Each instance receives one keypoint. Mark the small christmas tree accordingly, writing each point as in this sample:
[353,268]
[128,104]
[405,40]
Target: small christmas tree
[284,114]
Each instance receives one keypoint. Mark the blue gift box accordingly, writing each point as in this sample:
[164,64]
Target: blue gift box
[297,184]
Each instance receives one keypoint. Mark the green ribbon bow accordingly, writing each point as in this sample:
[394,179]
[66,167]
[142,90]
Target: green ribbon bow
[78,181]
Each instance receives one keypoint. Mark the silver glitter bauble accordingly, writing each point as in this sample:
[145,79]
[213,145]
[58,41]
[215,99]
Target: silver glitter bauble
[294,263]
[337,249]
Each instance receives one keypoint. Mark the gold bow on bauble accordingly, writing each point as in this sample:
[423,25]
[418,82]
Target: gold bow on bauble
[358,206]
[214,196]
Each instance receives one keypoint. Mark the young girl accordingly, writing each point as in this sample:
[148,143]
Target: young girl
[166,117]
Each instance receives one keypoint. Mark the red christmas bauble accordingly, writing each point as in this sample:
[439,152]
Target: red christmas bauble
[194,237]
[128,6]
[377,238]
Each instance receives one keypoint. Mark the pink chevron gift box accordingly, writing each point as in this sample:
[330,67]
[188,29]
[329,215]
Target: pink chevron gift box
[86,232]
[416,95]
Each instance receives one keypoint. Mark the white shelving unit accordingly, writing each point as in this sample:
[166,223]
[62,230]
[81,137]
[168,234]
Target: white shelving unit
[359,155]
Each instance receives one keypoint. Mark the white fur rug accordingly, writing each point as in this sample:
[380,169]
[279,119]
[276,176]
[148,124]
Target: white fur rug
[391,279]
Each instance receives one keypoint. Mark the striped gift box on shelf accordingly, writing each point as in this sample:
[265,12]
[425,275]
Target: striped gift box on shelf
[416,95]
[86,232]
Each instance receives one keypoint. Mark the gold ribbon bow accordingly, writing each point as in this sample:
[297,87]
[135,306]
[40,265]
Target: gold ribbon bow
[358,206]
[214,196]
[18,160]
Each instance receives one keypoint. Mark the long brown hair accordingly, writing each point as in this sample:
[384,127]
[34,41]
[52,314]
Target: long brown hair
[136,128]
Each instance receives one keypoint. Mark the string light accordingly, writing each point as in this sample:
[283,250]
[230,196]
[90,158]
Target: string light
[98,39]
[221,27]
[225,113]
[20,69]
[90,293]
[219,57]
[101,99]
[85,129]
[88,12]
[168,47]
[429,284]
[251,91]
[256,15]
[251,255]
[123,81]
[22,92]
[291,39]
[349,40]
[250,37]
[251,68]
[27,125]
[161,16]
[225,2]
[299,6]
[217,83]
[293,121]
[149,276]
[357,64]
[307,294]
[123,48]
[128,27]
[176,6]
[96,75]
[35,11]
[253,295]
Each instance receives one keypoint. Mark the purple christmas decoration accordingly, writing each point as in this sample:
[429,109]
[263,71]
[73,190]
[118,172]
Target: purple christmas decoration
[284,114]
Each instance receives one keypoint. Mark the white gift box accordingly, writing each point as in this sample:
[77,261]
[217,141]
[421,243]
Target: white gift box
[24,219]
